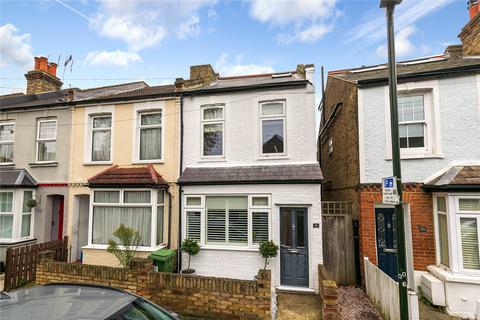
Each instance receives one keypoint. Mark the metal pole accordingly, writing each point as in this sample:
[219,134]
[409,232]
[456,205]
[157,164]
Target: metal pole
[397,172]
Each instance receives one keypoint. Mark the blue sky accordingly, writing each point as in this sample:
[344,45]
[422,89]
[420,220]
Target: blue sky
[156,41]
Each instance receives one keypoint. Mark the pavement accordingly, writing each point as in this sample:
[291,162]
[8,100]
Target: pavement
[430,313]
[298,306]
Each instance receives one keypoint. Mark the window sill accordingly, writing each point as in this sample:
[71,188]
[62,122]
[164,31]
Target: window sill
[448,276]
[413,156]
[140,249]
[9,164]
[273,157]
[220,159]
[43,164]
[228,248]
[9,242]
[98,163]
[160,161]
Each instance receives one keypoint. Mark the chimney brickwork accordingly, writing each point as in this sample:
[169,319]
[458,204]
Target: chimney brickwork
[470,34]
[200,75]
[43,78]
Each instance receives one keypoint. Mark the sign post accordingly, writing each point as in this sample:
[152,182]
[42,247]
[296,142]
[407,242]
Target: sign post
[390,191]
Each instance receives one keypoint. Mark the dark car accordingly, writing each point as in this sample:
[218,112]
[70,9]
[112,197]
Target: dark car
[71,301]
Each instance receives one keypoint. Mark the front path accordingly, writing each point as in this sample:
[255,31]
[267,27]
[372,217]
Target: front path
[298,306]
[353,304]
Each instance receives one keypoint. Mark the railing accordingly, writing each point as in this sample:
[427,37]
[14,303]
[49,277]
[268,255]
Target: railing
[21,261]
[383,291]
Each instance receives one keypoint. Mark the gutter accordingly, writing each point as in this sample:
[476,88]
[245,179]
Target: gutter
[206,183]
[330,119]
[180,191]
[249,87]
[453,187]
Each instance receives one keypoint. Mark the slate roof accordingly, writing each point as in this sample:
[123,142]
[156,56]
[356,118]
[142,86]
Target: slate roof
[16,178]
[298,173]
[143,176]
[415,68]
[458,177]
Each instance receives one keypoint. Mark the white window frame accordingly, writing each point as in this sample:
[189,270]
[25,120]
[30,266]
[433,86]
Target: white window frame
[12,142]
[436,212]
[204,122]
[283,117]
[17,213]
[423,122]
[46,140]
[203,220]
[153,205]
[139,110]
[90,113]
[465,214]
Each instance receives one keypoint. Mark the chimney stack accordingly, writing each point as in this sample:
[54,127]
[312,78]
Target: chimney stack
[43,77]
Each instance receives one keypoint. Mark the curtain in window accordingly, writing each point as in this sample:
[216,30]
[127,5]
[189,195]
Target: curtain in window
[107,197]
[6,224]
[227,220]
[26,225]
[212,139]
[150,143]
[27,195]
[6,201]
[469,237]
[160,224]
[443,239]
[272,109]
[101,146]
[136,197]
[106,221]
[6,152]
[47,151]
[213,113]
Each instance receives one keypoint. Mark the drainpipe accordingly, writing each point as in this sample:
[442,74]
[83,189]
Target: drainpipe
[179,256]
[169,216]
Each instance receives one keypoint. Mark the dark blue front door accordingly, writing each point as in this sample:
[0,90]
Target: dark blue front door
[386,230]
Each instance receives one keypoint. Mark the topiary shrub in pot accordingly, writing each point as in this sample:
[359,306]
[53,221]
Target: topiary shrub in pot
[268,249]
[192,248]
[32,203]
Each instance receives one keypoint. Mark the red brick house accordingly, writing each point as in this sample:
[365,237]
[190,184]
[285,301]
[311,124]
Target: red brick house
[439,114]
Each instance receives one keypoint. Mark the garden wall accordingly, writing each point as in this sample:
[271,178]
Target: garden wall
[185,295]
[328,292]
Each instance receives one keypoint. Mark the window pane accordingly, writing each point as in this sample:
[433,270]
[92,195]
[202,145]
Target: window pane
[272,136]
[238,226]
[260,201]
[6,153]
[443,239]
[286,227]
[6,201]
[106,221]
[212,139]
[271,109]
[101,146]
[300,228]
[159,225]
[151,119]
[259,226]
[418,108]
[160,197]
[441,204]
[103,122]
[469,204]
[470,254]
[6,132]
[136,196]
[26,222]
[194,201]
[27,195]
[47,151]
[106,197]
[411,135]
[213,114]
[6,223]
[193,225]
[219,209]
[47,130]
[150,144]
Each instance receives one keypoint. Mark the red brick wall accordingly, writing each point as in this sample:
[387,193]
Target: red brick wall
[421,215]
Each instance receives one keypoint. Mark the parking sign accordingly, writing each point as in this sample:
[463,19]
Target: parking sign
[390,191]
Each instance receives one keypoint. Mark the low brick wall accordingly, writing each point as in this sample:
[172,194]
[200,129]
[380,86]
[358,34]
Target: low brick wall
[186,295]
[328,292]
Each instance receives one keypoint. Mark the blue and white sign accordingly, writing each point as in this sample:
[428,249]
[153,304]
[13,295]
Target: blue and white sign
[390,191]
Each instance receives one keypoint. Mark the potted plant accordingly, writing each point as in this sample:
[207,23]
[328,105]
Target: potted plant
[32,203]
[268,249]
[190,247]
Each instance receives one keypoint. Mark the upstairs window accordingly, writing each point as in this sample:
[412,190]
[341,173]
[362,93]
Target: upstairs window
[7,131]
[272,117]
[213,131]
[101,138]
[46,140]
[150,136]
[412,121]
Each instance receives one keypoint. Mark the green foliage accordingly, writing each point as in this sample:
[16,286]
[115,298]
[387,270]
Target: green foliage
[126,250]
[31,203]
[268,249]
[190,247]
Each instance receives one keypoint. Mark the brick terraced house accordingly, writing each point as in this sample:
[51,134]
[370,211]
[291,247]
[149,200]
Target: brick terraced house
[439,118]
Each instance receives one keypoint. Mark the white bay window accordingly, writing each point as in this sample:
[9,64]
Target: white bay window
[16,217]
[141,210]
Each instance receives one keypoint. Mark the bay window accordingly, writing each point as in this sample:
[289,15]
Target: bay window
[141,210]
[6,215]
[27,214]
[468,220]
[7,131]
[442,231]
[16,217]
[212,131]
[46,140]
[230,221]
[272,118]
[101,134]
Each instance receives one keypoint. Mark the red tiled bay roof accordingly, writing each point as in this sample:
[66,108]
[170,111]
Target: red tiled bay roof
[128,176]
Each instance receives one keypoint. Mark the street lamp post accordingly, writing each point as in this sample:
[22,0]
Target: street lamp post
[389,6]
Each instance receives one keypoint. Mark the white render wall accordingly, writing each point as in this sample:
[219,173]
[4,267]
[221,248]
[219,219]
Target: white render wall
[242,133]
[457,101]
[245,263]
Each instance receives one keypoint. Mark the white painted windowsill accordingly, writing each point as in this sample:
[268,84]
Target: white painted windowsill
[410,156]
[228,248]
[448,276]
[140,249]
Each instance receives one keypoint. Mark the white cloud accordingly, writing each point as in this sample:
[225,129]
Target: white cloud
[144,24]
[225,68]
[111,58]
[305,20]
[15,48]
[403,44]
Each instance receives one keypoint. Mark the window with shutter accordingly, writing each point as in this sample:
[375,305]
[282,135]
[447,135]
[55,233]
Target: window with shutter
[194,225]
[259,227]
[227,220]
[469,238]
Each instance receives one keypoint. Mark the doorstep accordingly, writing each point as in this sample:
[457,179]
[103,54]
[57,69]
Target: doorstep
[292,289]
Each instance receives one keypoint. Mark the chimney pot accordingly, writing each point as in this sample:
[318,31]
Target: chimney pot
[473,8]
[42,64]
[52,69]
[43,77]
